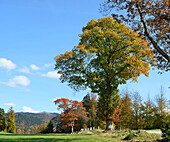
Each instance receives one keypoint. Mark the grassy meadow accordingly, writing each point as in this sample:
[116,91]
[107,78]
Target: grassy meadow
[87,136]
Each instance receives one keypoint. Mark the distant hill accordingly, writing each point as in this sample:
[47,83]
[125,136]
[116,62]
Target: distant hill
[32,119]
[44,116]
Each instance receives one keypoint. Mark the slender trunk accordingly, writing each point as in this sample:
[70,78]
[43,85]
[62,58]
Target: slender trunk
[93,117]
[72,128]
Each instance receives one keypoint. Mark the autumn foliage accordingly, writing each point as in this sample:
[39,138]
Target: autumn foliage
[11,128]
[149,18]
[73,111]
[109,54]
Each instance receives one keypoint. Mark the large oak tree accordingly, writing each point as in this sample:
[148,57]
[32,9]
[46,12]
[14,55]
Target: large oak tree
[108,54]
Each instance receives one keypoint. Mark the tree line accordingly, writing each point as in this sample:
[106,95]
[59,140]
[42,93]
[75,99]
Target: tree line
[109,54]
[21,124]
[7,122]
[132,113]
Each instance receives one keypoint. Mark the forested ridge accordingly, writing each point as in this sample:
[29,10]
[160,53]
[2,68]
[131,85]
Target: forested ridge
[25,120]
[44,116]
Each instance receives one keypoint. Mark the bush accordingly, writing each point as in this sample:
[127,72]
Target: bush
[130,136]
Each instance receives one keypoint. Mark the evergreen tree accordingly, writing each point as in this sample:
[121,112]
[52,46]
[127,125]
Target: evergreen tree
[148,111]
[2,119]
[11,121]
[87,104]
[166,130]
[161,110]
[126,115]
[90,103]
[49,128]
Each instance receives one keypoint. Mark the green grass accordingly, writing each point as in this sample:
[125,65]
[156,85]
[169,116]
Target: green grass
[87,136]
[54,138]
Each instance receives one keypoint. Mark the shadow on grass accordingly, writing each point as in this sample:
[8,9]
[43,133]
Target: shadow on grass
[16,135]
[41,140]
[31,140]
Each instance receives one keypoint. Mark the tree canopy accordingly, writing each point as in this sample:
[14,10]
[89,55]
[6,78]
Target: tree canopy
[150,18]
[11,128]
[72,111]
[109,54]
[2,119]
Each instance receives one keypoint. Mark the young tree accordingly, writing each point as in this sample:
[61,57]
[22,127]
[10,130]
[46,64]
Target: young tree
[166,130]
[41,128]
[148,111]
[2,119]
[11,128]
[150,18]
[161,109]
[90,103]
[137,120]
[87,104]
[72,111]
[49,128]
[126,112]
[109,54]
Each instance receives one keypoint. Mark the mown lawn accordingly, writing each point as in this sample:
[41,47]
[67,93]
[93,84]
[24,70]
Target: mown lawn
[55,138]
[87,136]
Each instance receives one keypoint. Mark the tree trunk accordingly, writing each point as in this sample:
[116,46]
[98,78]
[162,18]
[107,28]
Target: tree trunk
[109,124]
[72,128]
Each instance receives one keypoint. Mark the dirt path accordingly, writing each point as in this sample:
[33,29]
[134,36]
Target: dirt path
[154,132]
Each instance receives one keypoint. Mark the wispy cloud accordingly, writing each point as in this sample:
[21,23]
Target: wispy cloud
[5,63]
[24,70]
[10,104]
[28,109]
[34,67]
[52,74]
[17,80]
[48,65]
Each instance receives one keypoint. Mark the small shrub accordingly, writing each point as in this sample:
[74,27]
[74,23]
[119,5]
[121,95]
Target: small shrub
[114,136]
[130,136]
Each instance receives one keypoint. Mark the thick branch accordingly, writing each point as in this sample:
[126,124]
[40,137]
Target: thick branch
[159,50]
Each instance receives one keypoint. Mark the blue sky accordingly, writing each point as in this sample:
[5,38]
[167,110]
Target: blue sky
[32,33]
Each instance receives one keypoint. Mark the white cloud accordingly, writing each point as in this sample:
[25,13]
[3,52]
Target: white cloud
[24,70]
[5,63]
[34,67]
[52,74]
[17,80]
[48,65]
[10,104]
[28,109]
